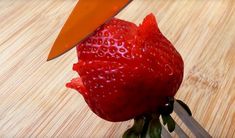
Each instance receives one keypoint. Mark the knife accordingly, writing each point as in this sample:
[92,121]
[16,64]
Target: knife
[85,18]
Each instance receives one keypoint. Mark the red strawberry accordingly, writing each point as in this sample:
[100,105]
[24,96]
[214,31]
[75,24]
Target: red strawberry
[127,71]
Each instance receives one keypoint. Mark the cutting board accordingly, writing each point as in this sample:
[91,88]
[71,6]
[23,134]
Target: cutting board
[35,102]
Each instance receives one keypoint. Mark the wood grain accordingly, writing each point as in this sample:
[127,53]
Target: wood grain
[33,98]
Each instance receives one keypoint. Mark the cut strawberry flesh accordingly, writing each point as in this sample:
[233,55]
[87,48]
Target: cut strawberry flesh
[126,71]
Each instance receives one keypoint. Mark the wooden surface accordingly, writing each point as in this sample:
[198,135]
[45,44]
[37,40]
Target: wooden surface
[35,102]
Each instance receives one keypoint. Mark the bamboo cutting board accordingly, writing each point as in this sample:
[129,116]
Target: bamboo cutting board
[33,98]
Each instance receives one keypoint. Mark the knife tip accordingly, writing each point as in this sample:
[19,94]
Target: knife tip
[51,55]
[49,58]
[56,52]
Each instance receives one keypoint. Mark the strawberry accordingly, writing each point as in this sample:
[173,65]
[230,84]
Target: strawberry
[126,70]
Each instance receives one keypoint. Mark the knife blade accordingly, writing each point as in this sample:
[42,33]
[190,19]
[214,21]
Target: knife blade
[85,18]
